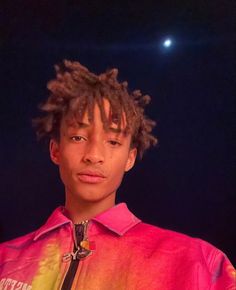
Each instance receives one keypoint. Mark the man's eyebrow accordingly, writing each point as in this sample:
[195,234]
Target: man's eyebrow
[87,125]
[83,125]
[78,125]
[115,130]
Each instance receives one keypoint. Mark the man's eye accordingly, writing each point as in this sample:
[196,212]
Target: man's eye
[77,138]
[114,143]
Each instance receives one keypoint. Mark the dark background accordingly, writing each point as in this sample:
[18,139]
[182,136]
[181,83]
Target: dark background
[187,183]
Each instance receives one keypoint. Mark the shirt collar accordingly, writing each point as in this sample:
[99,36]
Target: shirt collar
[117,219]
[56,220]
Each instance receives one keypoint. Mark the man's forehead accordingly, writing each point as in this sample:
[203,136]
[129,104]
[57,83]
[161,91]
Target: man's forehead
[72,119]
[72,122]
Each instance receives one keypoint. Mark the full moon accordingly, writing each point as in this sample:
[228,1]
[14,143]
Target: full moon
[167,42]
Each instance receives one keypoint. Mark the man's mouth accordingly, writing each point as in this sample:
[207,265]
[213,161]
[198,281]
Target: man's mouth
[90,176]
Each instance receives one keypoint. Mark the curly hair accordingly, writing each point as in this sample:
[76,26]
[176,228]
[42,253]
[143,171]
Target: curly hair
[76,90]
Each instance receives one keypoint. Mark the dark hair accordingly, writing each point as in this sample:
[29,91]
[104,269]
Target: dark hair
[75,91]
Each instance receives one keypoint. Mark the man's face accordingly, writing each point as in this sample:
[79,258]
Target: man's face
[92,161]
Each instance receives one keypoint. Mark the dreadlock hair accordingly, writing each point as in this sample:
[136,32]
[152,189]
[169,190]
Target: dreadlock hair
[76,90]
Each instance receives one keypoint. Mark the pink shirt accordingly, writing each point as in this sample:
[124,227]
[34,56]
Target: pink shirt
[126,254]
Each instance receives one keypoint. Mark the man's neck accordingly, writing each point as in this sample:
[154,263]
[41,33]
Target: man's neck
[79,211]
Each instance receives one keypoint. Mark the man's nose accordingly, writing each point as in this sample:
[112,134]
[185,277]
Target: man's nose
[94,152]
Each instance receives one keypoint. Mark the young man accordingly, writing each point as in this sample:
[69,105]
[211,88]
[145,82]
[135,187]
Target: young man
[96,129]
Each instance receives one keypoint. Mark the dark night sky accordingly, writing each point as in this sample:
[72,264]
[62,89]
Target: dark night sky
[187,183]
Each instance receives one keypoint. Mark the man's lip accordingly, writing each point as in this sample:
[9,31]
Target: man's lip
[92,173]
[91,177]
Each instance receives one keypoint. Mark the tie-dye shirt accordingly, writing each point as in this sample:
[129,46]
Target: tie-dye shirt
[127,254]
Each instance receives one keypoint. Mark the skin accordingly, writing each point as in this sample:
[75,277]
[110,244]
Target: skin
[91,163]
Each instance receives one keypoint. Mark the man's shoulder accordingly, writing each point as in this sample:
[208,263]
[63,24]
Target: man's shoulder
[56,219]
[171,241]
[20,241]
[12,248]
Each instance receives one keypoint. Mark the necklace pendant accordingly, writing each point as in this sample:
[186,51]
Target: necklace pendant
[83,253]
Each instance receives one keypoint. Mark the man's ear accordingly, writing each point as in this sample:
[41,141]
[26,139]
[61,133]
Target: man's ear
[54,151]
[131,159]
